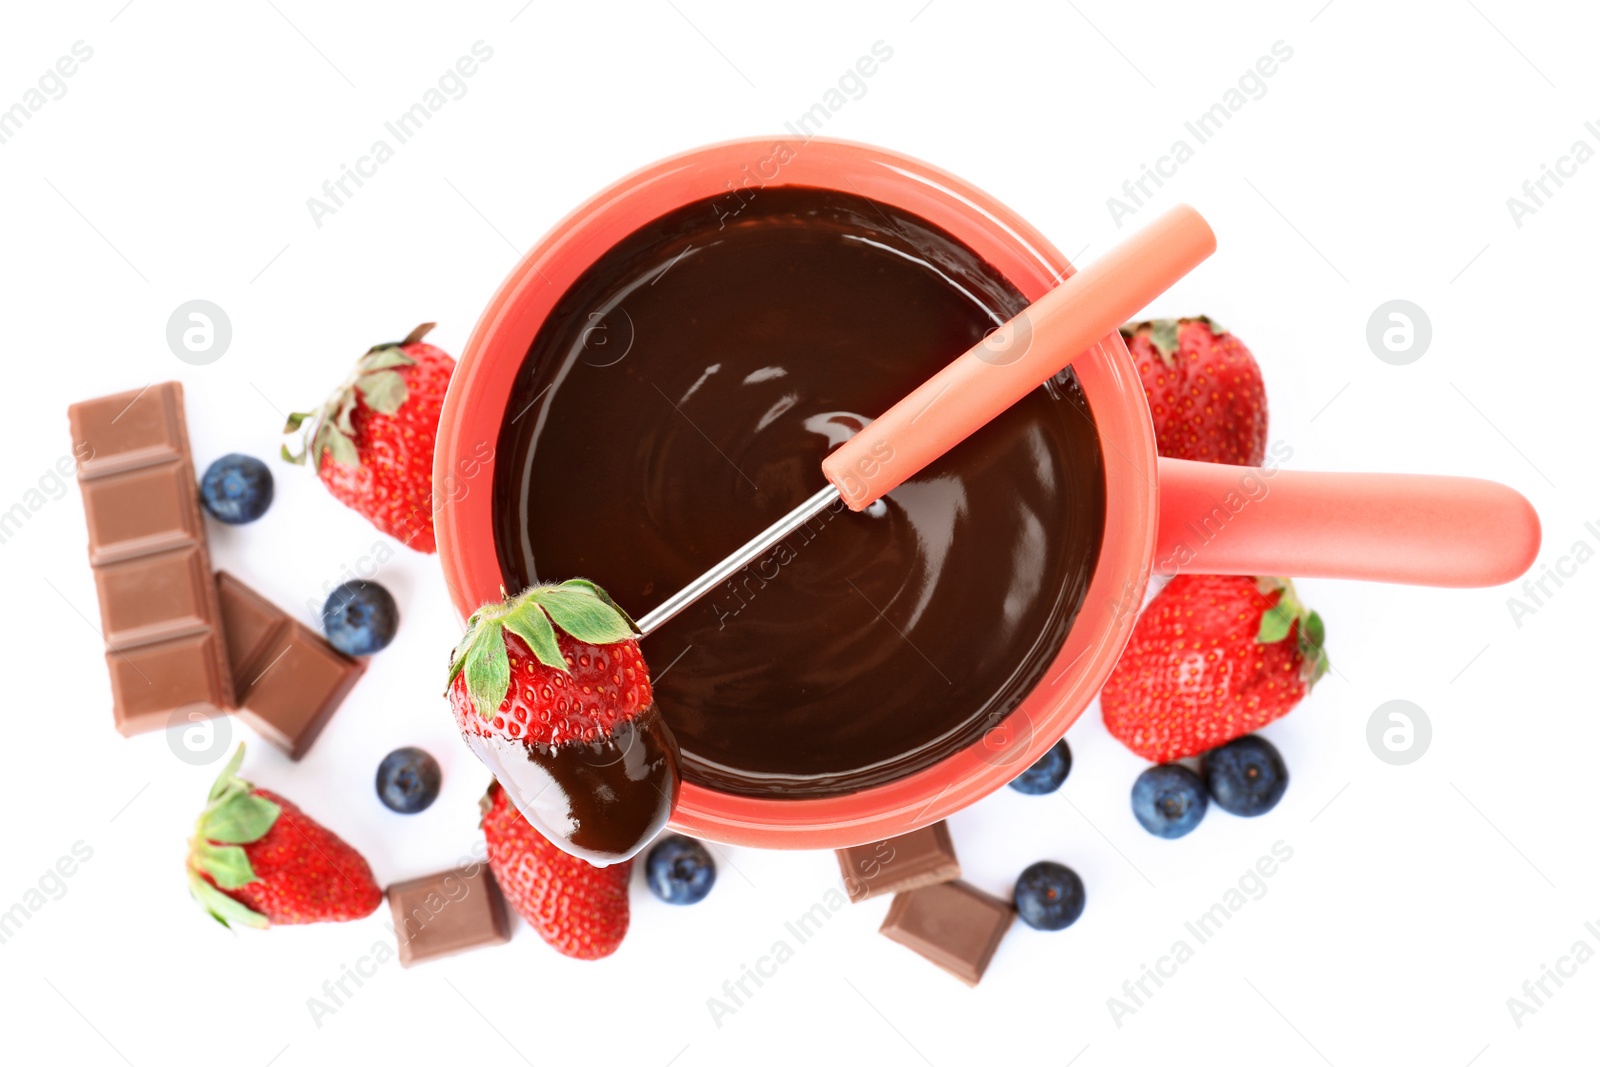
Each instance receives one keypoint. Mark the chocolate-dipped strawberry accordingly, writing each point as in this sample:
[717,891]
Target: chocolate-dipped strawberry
[551,693]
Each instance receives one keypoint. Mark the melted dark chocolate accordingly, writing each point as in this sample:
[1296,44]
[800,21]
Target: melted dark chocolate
[682,396]
[600,800]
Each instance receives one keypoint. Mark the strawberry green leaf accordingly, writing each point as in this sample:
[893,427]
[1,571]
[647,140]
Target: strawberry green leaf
[237,788]
[295,421]
[319,442]
[345,420]
[239,819]
[385,358]
[456,666]
[383,390]
[229,775]
[1164,336]
[227,865]
[222,907]
[1313,631]
[583,615]
[487,669]
[335,443]
[1216,328]
[528,621]
[458,655]
[584,583]
[1275,624]
[1312,636]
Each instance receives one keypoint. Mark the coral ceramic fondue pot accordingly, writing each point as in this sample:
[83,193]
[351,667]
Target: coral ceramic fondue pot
[1161,516]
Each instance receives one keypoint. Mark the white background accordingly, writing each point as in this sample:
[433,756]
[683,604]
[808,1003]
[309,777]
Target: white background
[1376,166]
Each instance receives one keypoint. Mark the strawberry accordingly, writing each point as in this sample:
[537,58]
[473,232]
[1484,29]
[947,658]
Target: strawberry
[257,859]
[550,691]
[372,442]
[581,910]
[1205,390]
[1213,657]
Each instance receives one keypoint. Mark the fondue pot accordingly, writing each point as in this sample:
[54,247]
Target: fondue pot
[1161,515]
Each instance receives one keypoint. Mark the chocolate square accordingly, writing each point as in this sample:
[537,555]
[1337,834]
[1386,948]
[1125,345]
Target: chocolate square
[951,924]
[128,430]
[922,857]
[155,597]
[151,683]
[141,512]
[448,912]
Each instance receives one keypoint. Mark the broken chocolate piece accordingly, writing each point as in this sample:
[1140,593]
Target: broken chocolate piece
[147,545]
[289,680]
[922,857]
[952,924]
[448,912]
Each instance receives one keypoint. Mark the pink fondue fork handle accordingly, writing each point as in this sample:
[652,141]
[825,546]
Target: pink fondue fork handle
[1014,360]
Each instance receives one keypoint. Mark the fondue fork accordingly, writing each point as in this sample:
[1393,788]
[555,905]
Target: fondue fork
[1029,349]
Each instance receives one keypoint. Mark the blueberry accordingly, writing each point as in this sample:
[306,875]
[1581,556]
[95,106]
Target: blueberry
[236,489]
[1246,776]
[1169,800]
[408,780]
[1049,896]
[679,870]
[1047,775]
[360,618]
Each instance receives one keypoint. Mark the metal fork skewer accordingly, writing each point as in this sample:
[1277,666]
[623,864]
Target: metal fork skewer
[745,555]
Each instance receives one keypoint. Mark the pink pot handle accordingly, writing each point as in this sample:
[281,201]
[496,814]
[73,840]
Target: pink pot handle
[1413,528]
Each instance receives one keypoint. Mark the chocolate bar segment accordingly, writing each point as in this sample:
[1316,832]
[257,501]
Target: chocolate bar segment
[139,512]
[922,857]
[289,680]
[446,913]
[154,598]
[951,924]
[158,606]
[129,430]
[151,681]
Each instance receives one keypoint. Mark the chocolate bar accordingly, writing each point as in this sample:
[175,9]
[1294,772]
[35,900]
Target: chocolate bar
[952,924]
[147,545]
[448,912]
[289,681]
[922,857]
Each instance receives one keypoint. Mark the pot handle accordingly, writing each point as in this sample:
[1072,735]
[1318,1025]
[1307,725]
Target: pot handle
[1417,529]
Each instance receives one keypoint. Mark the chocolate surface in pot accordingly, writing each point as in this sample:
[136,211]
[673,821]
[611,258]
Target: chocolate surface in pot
[682,396]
